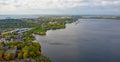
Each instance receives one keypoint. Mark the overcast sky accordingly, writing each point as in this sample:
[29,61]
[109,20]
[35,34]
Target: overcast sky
[76,7]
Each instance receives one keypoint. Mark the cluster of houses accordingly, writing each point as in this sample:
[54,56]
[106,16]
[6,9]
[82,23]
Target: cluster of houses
[18,37]
[19,31]
[8,51]
[12,52]
[8,39]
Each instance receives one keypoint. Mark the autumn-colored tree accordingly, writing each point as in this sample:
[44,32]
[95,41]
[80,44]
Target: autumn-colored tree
[25,54]
[12,56]
[20,55]
[1,44]
[42,33]
[38,53]
[7,57]
[32,54]
[1,56]
[18,46]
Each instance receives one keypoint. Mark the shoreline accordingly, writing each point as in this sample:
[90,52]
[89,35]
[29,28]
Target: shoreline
[20,41]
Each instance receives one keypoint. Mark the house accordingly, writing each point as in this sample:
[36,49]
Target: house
[12,53]
[4,48]
[23,60]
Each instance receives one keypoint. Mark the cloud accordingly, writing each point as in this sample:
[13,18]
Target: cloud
[107,2]
[43,4]
[28,6]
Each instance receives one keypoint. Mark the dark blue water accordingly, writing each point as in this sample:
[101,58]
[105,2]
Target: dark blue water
[90,40]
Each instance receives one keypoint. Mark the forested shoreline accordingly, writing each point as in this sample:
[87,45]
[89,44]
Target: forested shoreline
[17,36]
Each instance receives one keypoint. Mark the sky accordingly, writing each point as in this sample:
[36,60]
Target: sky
[65,7]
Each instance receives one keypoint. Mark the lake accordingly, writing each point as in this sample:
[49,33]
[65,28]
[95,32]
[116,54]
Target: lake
[90,40]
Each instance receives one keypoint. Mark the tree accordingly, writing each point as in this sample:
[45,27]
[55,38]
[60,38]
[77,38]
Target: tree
[25,54]
[32,54]
[20,55]
[38,53]
[19,46]
[7,57]
[1,56]
[12,56]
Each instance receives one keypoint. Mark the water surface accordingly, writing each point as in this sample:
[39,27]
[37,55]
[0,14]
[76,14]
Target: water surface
[90,40]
